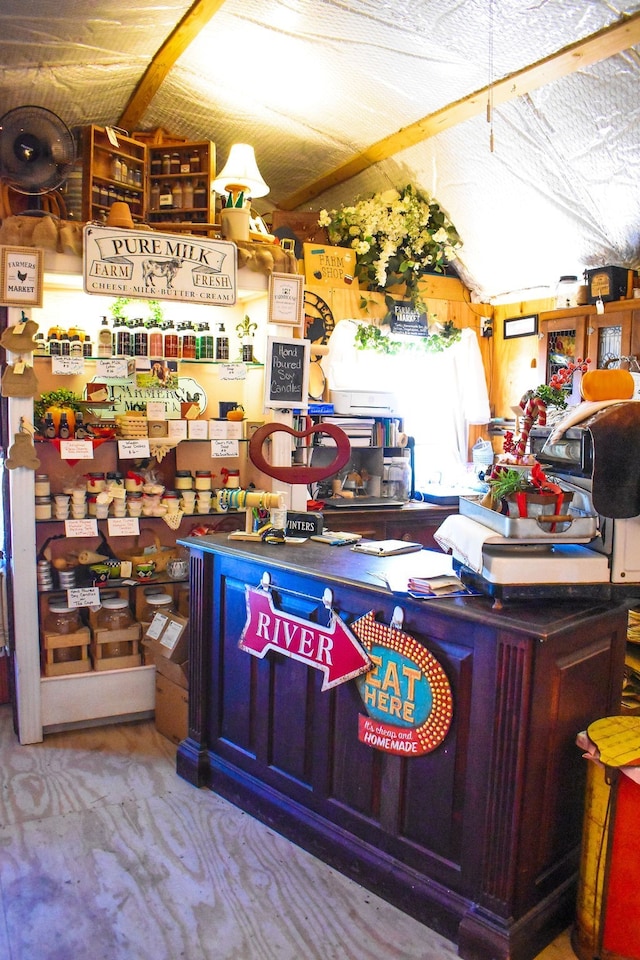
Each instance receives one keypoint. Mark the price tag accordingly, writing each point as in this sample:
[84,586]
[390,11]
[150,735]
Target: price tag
[84,597]
[113,367]
[123,526]
[156,410]
[233,371]
[133,449]
[156,626]
[67,366]
[81,528]
[76,449]
[224,448]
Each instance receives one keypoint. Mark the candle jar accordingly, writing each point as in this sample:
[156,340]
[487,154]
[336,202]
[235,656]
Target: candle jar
[95,482]
[43,508]
[203,480]
[42,487]
[170,501]
[134,504]
[183,480]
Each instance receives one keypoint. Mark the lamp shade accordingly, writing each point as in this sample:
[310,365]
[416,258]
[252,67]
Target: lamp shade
[240,172]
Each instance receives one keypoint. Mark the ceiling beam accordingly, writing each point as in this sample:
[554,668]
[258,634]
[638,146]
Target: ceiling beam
[599,46]
[197,17]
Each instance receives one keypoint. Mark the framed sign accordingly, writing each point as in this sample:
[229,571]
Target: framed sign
[286,380]
[286,299]
[521,326]
[21,273]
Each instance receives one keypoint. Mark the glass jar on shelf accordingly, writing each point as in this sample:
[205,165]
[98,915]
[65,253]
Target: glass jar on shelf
[62,619]
[115,614]
[156,603]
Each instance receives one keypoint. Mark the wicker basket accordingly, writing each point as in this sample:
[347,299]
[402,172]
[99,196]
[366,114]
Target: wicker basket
[155,552]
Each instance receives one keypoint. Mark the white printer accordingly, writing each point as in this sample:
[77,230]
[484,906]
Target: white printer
[364,403]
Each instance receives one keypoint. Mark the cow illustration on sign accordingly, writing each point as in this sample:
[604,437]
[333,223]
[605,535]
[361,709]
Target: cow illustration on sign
[160,268]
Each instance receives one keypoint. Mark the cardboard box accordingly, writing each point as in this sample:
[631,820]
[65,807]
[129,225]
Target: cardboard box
[198,429]
[172,636]
[176,672]
[158,428]
[172,709]
[177,429]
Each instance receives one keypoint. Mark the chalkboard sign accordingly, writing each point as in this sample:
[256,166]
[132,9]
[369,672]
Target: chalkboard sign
[407,321]
[286,373]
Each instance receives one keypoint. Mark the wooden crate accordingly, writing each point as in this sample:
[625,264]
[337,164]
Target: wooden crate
[128,638]
[66,653]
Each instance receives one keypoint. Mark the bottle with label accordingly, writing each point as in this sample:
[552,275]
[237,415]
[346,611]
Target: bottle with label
[194,161]
[65,344]
[116,167]
[222,344]
[171,346]
[140,338]
[166,163]
[156,165]
[176,195]
[165,199]
[205,345]
[187,195]
[156,342]
[75,346]
[122,334]
[200,195]
[64,430]
[105,341]
[154,196]
[175,162]
[188,339]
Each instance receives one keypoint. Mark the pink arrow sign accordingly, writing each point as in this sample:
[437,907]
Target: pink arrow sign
[334,650]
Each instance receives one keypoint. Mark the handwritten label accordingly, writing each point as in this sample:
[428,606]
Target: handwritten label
[76,450]
[114,367]
[156,410]
[232,371]
[84,597]
[123,526]
[81,528]
[133,449]
[224,448]
[67,366]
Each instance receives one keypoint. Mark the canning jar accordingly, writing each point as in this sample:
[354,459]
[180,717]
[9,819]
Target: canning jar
[398,479]
[95,482]
[155,603]
[115,614]
[43,508]
[62,619]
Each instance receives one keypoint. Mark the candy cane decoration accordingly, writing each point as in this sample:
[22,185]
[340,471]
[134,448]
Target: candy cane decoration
[534,410]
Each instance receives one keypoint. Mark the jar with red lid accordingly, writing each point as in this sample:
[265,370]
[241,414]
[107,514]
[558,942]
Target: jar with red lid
[95,482]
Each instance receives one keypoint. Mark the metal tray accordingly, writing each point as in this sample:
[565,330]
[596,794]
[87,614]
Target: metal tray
[579,529]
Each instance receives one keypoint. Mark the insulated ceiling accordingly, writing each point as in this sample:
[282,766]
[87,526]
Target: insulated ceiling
[313,84]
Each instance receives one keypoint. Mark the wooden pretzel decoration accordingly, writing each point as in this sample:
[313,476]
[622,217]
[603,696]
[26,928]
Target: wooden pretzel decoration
[299,473]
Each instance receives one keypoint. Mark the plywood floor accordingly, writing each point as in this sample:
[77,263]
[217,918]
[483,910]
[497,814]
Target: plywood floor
[106,854]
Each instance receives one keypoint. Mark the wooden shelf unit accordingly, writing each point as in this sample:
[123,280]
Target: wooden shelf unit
[104,182]
[200,214]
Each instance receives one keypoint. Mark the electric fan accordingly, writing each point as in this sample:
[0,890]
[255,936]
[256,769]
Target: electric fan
[37,151]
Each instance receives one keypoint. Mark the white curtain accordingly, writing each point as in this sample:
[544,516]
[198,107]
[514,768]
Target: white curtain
[439,395]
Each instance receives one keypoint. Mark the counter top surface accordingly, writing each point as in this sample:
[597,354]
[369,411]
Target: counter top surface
[339,565]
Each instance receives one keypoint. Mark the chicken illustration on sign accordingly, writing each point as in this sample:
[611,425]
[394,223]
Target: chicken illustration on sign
[332,649]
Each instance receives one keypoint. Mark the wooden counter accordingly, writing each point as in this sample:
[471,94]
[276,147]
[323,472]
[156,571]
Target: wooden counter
[413,521]
[478,839]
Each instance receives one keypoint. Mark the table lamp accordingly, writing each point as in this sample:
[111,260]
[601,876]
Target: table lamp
[240,179]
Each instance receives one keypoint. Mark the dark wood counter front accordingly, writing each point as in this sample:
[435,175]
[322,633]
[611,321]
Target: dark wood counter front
[478,839]
[413,521]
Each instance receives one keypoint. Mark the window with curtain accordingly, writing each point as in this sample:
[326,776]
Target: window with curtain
[439,395]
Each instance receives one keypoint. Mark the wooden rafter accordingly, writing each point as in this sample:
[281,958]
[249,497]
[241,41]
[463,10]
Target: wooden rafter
[198,15]
[606,43]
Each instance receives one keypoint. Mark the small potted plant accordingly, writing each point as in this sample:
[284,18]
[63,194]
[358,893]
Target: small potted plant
[504,482]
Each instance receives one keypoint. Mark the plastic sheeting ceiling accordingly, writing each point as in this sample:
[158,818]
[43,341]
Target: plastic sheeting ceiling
[310,83]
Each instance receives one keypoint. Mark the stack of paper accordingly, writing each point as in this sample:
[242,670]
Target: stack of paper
[441,586]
